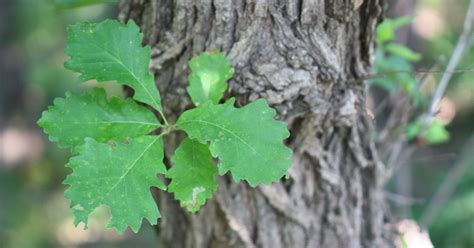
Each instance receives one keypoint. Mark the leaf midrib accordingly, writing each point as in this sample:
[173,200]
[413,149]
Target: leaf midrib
[118,122]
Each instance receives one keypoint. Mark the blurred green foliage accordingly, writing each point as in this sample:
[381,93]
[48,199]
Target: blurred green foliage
[69,4]
[453,226]
[394,65]
[394,61]
[434,133]
[385,32]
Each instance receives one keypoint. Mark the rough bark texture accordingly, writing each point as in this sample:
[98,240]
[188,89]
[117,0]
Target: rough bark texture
[304,57]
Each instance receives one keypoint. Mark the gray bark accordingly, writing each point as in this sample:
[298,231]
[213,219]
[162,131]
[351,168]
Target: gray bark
[305,58]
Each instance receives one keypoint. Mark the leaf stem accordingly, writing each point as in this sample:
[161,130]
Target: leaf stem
[166,124]
[162,134]
[166,129]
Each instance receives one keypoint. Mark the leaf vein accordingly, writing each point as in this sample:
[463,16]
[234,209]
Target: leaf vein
[225,129]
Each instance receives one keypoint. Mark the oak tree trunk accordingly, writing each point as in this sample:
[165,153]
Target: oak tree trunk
[305,57]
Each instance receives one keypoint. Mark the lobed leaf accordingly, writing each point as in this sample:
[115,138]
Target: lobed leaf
[112,51]
[208,80]
[70,120]
[193,176]
[120,176]
[247,141]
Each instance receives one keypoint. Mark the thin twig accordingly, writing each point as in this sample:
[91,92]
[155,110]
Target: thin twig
[417,72]
[401,199]
[448,186]
[456,57]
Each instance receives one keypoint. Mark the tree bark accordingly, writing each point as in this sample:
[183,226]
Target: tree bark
[305,57]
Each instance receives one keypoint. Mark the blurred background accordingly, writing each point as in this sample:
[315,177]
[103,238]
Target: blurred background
[33,210]
[34,213]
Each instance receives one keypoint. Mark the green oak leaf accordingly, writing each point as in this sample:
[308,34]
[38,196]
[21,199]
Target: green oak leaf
[112,51]
[208,80]
[120,176]
[193,176]
[78,116]
[247,140]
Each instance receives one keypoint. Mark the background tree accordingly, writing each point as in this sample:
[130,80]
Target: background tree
[307,59]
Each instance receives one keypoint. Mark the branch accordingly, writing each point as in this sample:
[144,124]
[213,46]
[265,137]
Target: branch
[456,57]
[401,199]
